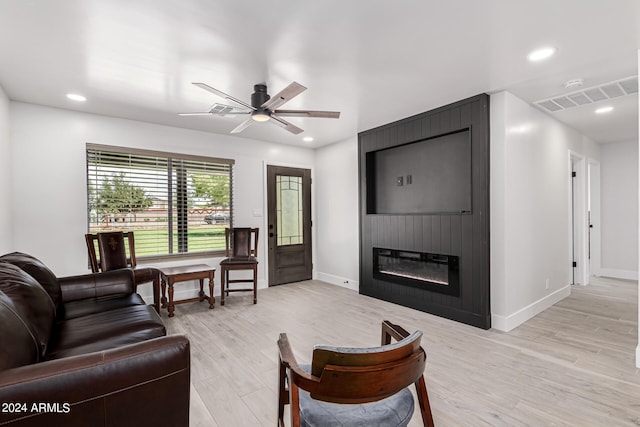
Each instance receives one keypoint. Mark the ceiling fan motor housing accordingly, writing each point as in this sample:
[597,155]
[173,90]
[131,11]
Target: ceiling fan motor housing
[260,96]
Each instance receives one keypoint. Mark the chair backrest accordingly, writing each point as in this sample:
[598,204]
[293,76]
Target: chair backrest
[359,375]
[241,242]
[111,249]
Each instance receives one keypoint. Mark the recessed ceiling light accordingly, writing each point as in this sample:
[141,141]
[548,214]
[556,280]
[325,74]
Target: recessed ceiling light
[76,97]
[604,110]
[540,54]
[307,139]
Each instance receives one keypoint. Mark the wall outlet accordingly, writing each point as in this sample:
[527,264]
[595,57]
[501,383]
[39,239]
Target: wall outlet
[546,284]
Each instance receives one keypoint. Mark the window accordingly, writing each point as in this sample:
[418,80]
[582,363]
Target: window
[174,203]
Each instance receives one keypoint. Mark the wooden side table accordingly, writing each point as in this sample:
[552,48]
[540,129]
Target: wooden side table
[171,275]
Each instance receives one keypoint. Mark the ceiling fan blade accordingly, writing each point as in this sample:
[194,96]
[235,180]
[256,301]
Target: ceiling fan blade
[222,94]
[223,110]
[203,113]
[285,124]
[309,113]
[242,126]
[285,95]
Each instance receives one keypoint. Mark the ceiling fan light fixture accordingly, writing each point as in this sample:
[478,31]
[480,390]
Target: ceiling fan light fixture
[260,116]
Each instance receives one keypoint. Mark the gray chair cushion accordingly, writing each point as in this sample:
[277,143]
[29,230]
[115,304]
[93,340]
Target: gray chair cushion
[393,411]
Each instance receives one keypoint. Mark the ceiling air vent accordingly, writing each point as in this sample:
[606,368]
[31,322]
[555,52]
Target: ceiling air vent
[618,88]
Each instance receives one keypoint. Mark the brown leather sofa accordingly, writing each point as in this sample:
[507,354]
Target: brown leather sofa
[85,351]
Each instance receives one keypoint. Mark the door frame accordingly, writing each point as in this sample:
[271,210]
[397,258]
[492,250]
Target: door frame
[594,197]
[578,219]
[265,209]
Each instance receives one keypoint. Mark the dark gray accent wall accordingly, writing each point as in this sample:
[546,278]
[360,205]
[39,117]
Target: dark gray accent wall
[463,234]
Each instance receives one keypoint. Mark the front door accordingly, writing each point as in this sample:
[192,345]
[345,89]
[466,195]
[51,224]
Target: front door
[289,230]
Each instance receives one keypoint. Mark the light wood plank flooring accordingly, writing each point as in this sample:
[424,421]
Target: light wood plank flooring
[572,365]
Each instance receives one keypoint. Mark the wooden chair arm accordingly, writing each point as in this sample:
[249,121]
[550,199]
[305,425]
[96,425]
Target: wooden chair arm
[390,330]
[288,360]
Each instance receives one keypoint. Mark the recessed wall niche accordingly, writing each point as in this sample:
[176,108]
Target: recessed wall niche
[424,194]
[431,176]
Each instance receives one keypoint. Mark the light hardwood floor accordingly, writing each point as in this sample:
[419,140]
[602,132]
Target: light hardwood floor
[572,365]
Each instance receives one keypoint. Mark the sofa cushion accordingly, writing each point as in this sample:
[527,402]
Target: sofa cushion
[85,307]
[105,330]
[35,268]
[18,346]
[28,299]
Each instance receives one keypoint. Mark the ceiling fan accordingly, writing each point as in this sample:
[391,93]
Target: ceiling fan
[263,107]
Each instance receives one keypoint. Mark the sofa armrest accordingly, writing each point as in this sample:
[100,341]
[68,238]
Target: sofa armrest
[95,285]
[139,384]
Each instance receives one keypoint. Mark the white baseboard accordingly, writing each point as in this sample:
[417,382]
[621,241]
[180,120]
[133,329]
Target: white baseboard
[617,273]
[507,323]
[339,281]
[638,356]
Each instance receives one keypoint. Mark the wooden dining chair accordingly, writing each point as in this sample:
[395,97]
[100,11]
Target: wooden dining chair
[241,251]
[355,386]
[114,250]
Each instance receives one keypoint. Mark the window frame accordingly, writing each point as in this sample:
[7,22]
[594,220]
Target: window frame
[169,156]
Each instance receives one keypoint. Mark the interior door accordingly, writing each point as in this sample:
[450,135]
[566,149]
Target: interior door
[289,217]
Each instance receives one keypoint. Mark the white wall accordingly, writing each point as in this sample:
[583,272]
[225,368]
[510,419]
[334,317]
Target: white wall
[619,210]
[6,235]
[49,207]
[336,187]
[530,209]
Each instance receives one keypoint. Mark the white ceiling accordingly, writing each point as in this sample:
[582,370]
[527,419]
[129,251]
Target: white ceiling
[375,61]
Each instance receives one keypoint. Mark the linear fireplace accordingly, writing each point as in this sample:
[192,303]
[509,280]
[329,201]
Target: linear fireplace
[424,202]
[434,272]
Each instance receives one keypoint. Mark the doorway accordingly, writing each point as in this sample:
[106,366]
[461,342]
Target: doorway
[289,224]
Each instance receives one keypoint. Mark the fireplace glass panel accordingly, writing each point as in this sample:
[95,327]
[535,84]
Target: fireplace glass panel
[435,272]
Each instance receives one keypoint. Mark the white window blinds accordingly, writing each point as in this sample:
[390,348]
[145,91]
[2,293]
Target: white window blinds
[174,204]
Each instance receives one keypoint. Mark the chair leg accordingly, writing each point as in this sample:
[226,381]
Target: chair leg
[223,278]
[255,285]
[423,401]
[283,395]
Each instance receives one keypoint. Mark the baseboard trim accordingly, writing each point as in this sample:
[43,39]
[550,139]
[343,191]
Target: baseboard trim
[617,273]
[507,323]
[339,281]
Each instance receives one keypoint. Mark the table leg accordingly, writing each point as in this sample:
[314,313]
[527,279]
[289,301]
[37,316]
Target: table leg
[172,306]
[201,294]
[163,300]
